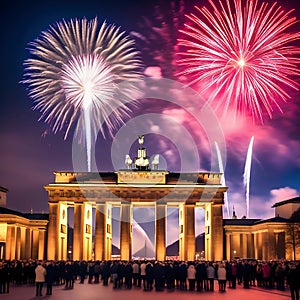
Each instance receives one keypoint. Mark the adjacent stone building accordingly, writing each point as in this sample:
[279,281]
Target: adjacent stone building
[22,235]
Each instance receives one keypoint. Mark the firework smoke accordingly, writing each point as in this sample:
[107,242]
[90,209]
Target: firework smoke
[157,36]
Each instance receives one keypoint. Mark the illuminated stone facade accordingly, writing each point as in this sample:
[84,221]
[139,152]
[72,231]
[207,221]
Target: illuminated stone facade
[93,196]
[274,238]
[128,188]
[22,236]
[28,236]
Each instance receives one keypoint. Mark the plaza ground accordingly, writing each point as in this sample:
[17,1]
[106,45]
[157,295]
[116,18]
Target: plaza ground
[98,291]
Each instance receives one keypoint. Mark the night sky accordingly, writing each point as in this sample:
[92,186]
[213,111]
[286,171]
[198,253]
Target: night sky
[30,152]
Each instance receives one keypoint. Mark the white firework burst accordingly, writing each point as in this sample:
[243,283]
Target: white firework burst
[78,64]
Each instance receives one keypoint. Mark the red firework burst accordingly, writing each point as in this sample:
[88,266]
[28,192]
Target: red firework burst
[243,53]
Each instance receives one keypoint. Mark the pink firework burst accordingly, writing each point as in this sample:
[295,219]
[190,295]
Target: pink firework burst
[243,53]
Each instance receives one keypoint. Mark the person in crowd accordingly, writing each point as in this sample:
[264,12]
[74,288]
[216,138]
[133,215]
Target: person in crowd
[266,274]
[97,272]
[239,272]
[252,278]
[221,274]
[170,276]
[2,278]
[7,270]
[105,272]
[273,266]
[182,276]
[279,277]
[25,272]
[120,279]
[128,274]
[82,271]
[159,276]
[76,265]
[149,276]
[136,274]
[143,274]
[114,274]
[69,275]
[90,271]
[293,280]
[259,275]
[228,267]
[50,272]
[18,272]
[177,273]
[40,274]
[246,274]
[210,273]
[62,269]
[191,276]
[201,277]
[233,274]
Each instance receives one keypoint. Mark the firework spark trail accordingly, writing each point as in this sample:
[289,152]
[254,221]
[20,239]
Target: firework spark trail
[242,55]
[74,77]
[223,182]
[247,173]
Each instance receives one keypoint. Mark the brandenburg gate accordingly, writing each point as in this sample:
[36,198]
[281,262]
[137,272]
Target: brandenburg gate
[137,185]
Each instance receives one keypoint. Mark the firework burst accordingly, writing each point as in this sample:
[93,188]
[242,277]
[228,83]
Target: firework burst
[77,65]
[74,77]
[243,54]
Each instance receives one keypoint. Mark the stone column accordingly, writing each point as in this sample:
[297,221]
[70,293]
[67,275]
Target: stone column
[78,231]
[126,231]
[228,246]
[103,232]
[281,245]
[187,242]
[53,231]
[207,236]
[265,245]
[100,232]
[23,243]
[244,251]
[259,245]
[272,253]
[160,231]
[217,232]
[28,240]
[18,243]
[251,245]
[10,252]
[255,245]
[41,242]
[82,238]
[35,244]
[88,233]
[57,231]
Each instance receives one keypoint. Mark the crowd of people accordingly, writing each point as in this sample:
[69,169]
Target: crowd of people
[152,275]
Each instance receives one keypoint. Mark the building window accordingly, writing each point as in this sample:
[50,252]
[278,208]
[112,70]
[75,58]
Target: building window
[88,228]
[207,230]
[63,228]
